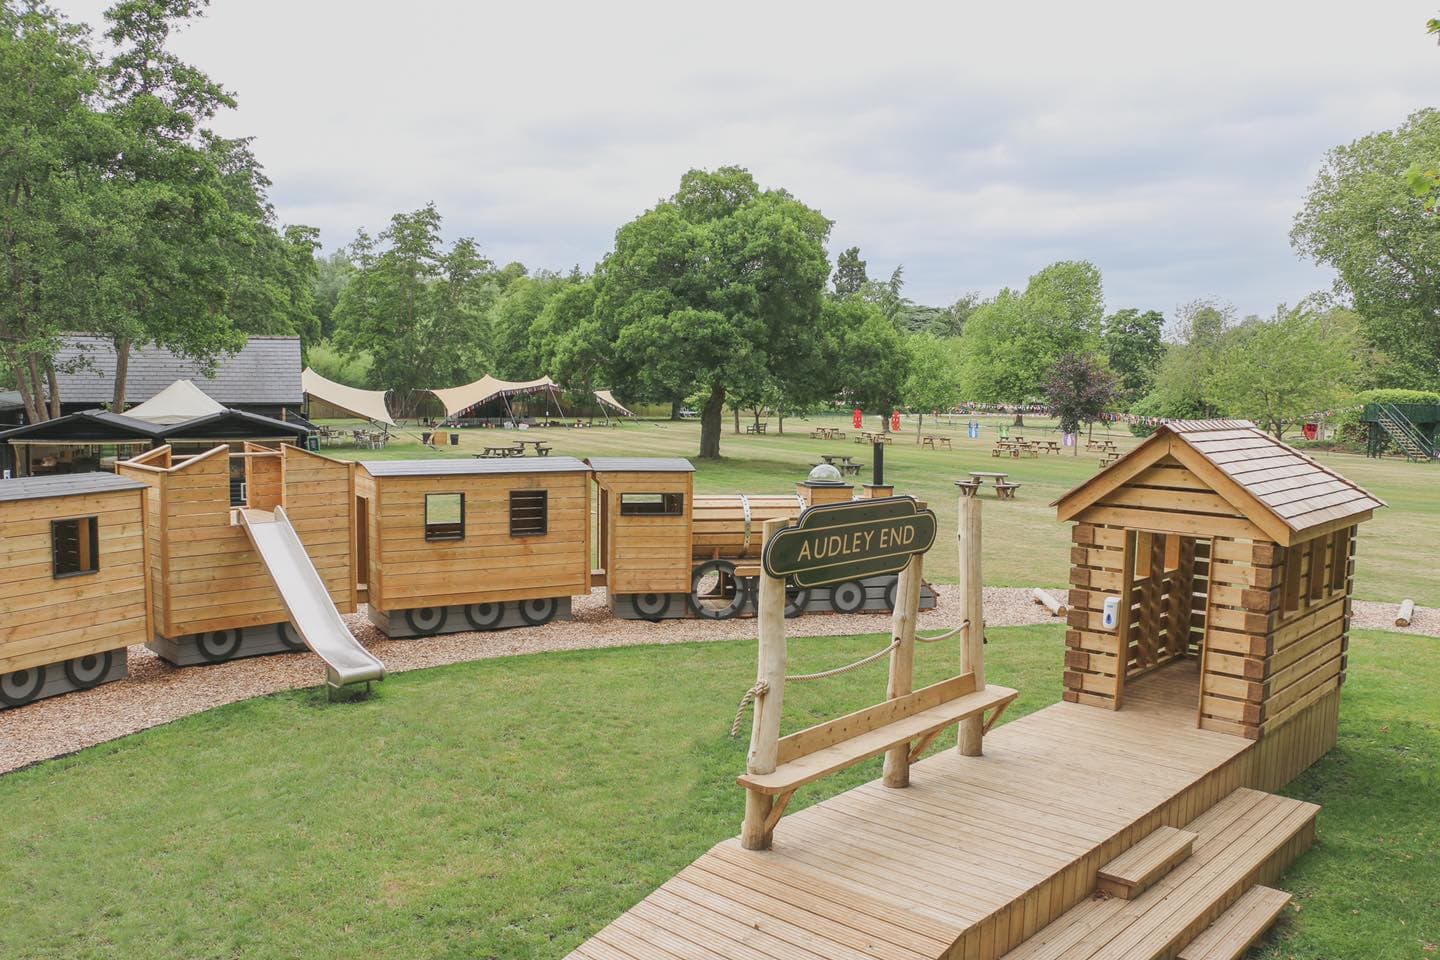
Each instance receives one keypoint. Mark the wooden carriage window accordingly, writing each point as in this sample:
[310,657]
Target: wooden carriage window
[75,546]
[529,513]
[444,516]
[652,504]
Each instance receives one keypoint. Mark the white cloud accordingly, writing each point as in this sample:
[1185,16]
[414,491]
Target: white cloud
[1169,144]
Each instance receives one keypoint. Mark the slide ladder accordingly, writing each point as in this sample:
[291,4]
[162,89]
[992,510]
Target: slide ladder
[307,600]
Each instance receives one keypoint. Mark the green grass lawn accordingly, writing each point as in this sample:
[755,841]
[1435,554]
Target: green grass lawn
[508,808]
[1399,548]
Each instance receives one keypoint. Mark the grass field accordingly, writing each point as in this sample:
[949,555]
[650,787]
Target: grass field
[1399,548]
[508,808]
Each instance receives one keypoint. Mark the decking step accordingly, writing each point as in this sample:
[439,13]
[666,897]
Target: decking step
[1239,927]
[1128,875]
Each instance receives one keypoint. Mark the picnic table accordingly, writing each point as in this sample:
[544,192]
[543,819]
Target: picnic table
[847,464]
[541,450]
[1049,446]
[935,442]
[866,436]
[1004,489]
[501,452]
[827,433]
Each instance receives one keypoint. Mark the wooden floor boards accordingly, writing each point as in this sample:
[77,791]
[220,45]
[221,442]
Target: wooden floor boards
[978,854]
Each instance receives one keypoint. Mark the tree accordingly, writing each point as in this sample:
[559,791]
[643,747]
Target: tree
[850,275]
[1283,370]
[1183,384]
[867,356]
[1362,217]
[933,380]
[416,309]
[717,289]
[332,273]
[1133,349]
[513,331]
[1079,390]
[950,322]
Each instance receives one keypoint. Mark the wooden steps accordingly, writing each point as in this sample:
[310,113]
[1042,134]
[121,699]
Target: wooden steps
[1247,836]
[1239,927]
[1131,873]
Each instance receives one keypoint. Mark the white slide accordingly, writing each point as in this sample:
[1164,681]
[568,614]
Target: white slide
[308,602]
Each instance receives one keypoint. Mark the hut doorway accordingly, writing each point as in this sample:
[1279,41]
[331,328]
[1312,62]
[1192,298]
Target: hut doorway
[362,543]
[1164,597]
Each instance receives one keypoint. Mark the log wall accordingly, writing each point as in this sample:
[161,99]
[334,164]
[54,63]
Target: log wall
[44,620]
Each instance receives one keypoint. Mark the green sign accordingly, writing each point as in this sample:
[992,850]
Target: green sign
[846,541]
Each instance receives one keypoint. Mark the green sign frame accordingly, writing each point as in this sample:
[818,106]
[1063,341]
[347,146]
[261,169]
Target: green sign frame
[837,542]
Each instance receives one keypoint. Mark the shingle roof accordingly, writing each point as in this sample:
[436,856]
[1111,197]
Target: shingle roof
[64,485]
[456,467]
[96,426]
[10,400]
[641,464]
[265,371]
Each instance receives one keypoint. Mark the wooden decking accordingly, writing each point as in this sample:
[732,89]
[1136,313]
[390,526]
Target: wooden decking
[970,861]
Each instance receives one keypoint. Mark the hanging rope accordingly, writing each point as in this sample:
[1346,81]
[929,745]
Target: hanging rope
[762,687]
[944,636]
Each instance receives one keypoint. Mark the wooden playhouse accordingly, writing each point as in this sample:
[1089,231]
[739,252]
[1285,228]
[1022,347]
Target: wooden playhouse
[213,596]
[452,545]
[74,594]
[1215,542]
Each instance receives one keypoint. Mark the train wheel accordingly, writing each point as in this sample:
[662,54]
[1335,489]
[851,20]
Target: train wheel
[425,621]
[848,597]
[651,606]
[795,600]
[19,687]
[218,645]
[484,616]
[536,612]
[87,671]
[892,594]
[715,592]
[289,637]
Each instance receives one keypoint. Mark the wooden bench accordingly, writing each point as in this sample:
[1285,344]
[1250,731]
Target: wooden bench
[755,427]
[1005,491]
[968,487]
[921,716]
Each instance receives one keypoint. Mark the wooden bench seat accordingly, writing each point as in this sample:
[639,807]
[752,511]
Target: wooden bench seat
[968,487]
[1006,491]
[1131,873]
[1239,927]
[871,739]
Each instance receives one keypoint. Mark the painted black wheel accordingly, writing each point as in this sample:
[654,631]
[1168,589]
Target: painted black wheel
[536,612]
[484,616]
[651,606]
[848,597]
[715,592]
[19,687]
[795,600]
[87,671]
[892,594]
[289,637]
[218,645]
[425,621]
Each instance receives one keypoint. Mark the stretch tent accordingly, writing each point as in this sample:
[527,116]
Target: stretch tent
[180,401]
[369,404]
[608,399]
[457,400]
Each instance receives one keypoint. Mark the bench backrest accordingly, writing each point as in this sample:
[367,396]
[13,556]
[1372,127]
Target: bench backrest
[822,735]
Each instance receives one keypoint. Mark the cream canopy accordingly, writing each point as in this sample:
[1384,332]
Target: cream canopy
[369,404]
[459,399]
[608,398]
[180,401]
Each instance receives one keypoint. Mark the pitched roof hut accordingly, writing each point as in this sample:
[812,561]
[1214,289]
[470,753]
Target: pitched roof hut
[1219,543]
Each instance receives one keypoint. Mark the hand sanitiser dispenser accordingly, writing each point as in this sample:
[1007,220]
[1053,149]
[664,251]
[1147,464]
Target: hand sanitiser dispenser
[1112,612]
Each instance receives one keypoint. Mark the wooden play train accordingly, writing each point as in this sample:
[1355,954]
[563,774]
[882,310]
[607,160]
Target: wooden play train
[156,553]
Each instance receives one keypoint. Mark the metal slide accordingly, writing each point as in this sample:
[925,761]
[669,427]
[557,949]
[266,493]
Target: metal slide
[303,592]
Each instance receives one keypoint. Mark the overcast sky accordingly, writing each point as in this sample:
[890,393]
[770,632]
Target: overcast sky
[974,143]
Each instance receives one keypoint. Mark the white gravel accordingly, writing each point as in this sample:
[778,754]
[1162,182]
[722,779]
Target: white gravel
[157,693]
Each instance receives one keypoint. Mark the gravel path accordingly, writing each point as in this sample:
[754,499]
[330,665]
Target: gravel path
[157,693]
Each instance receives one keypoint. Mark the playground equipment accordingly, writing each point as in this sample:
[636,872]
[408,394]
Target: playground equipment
[74,593]
[1136,831]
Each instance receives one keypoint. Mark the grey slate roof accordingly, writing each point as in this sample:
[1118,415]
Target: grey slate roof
[65,485]
[86,426]
[641,465]
[10,400]
[473,466]
[265,371]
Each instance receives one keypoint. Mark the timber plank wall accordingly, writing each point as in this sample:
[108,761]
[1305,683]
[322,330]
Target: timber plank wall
[646,554]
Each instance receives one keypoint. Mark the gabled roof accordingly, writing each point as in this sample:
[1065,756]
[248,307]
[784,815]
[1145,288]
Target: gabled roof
[10,400]
[88,426]
[1273,485]
[472,467]
[233,425]
[265,371]
[64,485]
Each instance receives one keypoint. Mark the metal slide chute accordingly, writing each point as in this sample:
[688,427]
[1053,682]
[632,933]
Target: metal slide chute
[315,618]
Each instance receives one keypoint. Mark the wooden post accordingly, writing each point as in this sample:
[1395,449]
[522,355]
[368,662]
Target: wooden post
[765,728]
[972,590]
[902,660]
